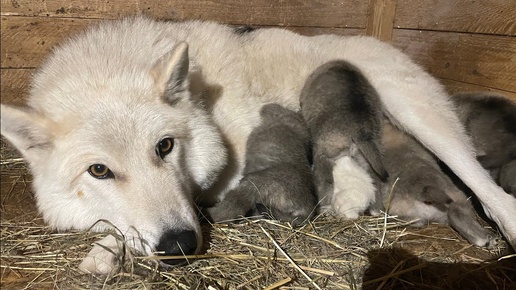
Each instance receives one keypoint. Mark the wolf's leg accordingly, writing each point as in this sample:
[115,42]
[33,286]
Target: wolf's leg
[462,218]
[421,107]
[353,188]
[100,260]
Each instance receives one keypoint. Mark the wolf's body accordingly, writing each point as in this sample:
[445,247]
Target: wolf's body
[110,95]
[344,115]
[277,171]
[418,190]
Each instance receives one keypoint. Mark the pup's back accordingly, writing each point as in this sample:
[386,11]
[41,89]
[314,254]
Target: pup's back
[422,191]
[490,120]
[277,175]
[507,177]
[282,138]
[341,108]
[343,114]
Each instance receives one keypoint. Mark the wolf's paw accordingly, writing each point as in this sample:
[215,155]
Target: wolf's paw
[354,189]
[100,260]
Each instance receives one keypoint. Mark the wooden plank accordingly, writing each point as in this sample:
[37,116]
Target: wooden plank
[310,31]
[478,16]
[381,19]
[322,13]
[26,40]
[458,87]
[484,60]
[15,85]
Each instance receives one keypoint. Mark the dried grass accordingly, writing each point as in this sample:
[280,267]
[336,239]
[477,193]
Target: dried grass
[327,253]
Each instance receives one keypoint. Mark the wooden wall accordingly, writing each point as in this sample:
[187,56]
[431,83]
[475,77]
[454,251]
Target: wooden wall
[469,45]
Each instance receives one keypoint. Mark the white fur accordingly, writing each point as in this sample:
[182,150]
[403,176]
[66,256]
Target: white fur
[97,100]
[353,188]
[99,260]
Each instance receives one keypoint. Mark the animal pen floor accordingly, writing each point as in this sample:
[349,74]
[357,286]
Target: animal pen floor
[368,253]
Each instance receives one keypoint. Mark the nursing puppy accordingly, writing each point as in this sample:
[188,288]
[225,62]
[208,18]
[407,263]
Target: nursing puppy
[135,119]
[423,192]
[277,171]
[343,112]
[490,120]
[507,177]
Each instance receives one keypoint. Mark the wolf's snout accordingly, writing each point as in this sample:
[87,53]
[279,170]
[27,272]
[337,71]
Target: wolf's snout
[177,243]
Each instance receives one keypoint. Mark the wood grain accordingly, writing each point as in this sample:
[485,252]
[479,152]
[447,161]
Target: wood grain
[484,60]
[320,13]
[458,87]
[475,16]
[310,31]
[381,18]
[26,40]
[15,85]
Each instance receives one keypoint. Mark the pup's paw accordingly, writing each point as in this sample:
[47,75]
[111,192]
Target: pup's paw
[463,219]
[101,259]
[220,213]
[353,190]
[489,241]
[478,235]
[294,216]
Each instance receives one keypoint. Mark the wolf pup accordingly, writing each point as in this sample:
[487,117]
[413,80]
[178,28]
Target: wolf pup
[490,120]
[133,119]
[508,177]
[277,171]
[343,112]
[423,192]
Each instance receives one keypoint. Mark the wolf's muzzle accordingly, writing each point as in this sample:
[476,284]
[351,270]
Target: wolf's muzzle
[177,243]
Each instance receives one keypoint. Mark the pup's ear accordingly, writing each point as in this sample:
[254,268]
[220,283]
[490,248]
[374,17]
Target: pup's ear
[170,73]
[28,132]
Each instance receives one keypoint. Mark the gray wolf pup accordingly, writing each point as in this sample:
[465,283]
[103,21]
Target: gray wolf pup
[344,115]
[133,120]
[423,192]
[277,171]
[490,120]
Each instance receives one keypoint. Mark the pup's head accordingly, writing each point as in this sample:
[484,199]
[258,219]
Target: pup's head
[125,144]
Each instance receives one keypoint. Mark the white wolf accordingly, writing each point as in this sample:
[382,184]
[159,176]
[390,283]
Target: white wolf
[132,119]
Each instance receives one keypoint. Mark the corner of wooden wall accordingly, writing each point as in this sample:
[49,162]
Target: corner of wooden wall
[380,20]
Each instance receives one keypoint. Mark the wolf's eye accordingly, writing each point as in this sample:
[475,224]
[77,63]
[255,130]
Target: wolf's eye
[164,147]
[100,171]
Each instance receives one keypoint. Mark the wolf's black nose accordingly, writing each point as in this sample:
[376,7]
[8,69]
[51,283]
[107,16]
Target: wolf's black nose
[177,243]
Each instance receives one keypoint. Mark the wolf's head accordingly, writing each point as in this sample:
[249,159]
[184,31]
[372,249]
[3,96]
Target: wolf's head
[111,134]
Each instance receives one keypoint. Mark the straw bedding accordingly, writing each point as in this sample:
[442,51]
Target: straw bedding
[327,253]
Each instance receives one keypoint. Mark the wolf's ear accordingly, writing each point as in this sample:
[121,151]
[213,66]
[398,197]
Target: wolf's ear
[170,73]
[28,132]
